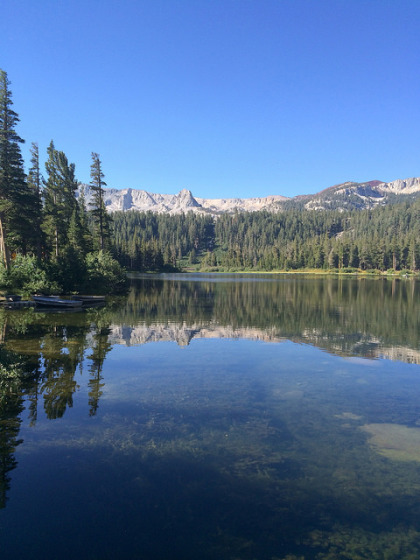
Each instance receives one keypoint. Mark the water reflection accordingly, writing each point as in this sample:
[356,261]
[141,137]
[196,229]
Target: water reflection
[49,349]
[11,406]
[366,317]
[268,438]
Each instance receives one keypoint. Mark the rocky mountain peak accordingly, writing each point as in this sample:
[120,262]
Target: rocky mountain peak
[345,196]
[186,199]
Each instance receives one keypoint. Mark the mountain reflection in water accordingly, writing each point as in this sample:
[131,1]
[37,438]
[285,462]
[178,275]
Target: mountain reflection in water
[368,317]
[190,422]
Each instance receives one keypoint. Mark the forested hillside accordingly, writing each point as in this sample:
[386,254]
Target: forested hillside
[383,238]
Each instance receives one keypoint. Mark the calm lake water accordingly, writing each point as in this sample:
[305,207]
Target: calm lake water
[216,417]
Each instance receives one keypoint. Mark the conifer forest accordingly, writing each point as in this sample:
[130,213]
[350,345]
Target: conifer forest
[381,239]
[51,239]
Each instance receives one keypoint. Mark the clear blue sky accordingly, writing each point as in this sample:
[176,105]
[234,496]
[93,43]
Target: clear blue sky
[224,97]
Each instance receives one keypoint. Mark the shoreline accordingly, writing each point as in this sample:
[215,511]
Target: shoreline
[317,272]
[309,272]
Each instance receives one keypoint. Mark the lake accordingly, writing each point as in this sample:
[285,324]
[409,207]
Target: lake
[228,417]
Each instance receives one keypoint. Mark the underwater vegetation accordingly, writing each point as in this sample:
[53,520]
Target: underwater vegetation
[227,449]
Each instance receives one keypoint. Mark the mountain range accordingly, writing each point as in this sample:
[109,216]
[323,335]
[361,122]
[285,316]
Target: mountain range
[345,196]
[361,345]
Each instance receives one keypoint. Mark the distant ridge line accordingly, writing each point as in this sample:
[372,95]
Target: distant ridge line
[345,196]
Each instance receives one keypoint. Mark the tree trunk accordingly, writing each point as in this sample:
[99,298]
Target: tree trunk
[56,242]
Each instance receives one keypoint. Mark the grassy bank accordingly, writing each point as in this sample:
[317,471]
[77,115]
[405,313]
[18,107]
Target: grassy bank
[315,271]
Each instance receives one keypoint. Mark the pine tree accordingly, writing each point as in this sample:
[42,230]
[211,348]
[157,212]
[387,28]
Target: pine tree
[53,200]
[84,221]
[99,213]
[34,183]
[61,209]
[13,188]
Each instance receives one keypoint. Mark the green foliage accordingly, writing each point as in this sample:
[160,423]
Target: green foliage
[49,223]
[146,241]
[55,225]
[368,240]
[15,197]
[61,224]
[5,283]
[104,273]
[27,273]
[100,217]
[98,272]
[34,183]
[68,271]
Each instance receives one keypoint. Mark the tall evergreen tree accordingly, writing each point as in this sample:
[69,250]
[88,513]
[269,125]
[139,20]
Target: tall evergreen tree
[52,201]
[60,209]
[100,216]
[13,187]
[84,221]
[35,183]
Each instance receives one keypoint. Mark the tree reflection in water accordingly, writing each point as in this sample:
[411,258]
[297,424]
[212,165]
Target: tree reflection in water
[40,354]
[348,317]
